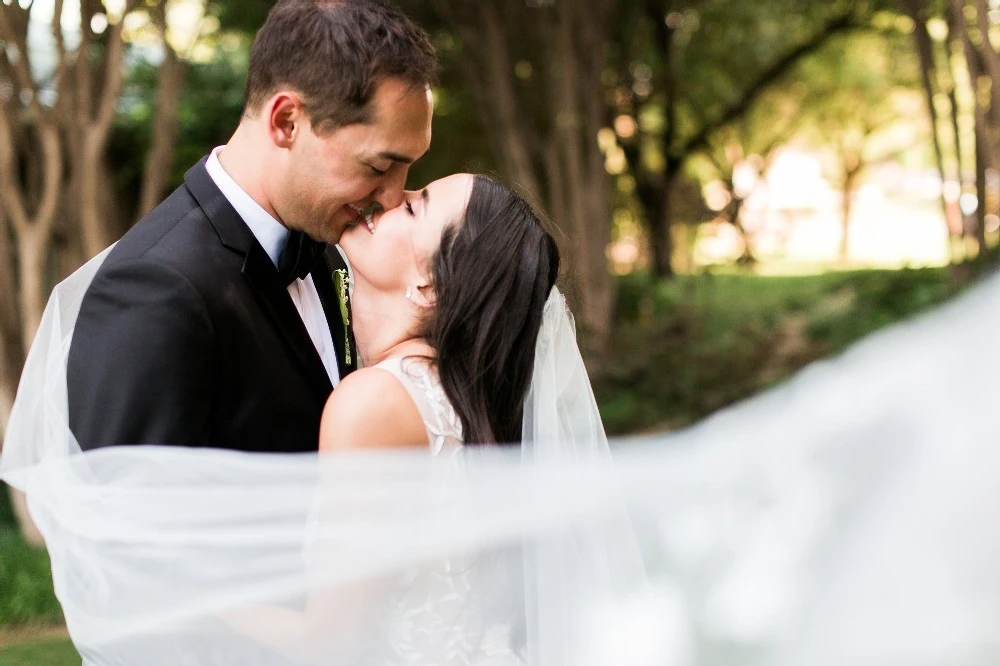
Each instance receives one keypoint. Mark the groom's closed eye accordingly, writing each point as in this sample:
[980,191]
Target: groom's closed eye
[379,170]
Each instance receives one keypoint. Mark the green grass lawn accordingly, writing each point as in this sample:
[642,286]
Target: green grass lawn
[30,618]
[26,581]
[40,652]
[685,348]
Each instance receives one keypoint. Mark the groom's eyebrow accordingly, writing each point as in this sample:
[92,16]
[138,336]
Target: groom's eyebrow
[396,157]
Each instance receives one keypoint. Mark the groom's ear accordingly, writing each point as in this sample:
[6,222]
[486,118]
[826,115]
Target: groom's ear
[285,118]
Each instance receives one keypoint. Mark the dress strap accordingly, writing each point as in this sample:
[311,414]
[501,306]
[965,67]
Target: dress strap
[419,376]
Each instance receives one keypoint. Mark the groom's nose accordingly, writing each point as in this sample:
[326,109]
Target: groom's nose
[389,193]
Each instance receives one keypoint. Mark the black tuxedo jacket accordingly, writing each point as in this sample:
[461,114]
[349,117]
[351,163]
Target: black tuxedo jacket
[187,336]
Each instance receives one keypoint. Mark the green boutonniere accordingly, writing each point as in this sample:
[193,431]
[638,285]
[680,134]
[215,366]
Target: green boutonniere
[342,280]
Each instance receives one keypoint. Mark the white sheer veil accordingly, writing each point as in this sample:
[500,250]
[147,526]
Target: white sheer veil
[845,518]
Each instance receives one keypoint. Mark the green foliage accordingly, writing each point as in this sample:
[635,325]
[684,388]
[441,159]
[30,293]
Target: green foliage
[241,15]
[686,348]
[209,111]
[26,581]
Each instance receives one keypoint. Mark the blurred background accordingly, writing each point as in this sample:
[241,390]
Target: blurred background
[739,188]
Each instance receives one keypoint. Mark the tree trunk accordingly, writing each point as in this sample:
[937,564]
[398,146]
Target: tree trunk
[32,246]
[916,10]
[735,210]
[850,177]
[989,54]
[958,30]
[487,71]
[979,224]
[11,348]
[661,238]
[163,144]
[96,126]
[661,216]
[516,144]
[553,156]
[568,128]
[96,235]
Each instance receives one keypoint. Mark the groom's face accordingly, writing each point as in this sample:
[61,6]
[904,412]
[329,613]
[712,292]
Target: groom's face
[331,175]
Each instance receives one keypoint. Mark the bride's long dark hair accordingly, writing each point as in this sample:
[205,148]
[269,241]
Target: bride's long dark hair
[492,276]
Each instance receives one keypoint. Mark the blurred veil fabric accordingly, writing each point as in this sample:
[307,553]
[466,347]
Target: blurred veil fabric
[844,518]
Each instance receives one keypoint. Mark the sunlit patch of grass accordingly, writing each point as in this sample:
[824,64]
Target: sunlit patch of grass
[26,581]
[56,651]
[25,577]
[684,348]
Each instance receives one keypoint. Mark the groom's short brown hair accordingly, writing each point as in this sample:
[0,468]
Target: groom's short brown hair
[334,53]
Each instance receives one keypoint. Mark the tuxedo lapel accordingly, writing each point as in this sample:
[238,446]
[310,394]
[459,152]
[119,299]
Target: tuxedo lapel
[262,277]
[260,274]
[340,331]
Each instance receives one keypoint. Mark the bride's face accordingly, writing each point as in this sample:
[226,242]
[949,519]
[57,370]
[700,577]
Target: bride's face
[393,253]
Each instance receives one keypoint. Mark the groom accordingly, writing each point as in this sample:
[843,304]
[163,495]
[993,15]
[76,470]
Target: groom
[215,321]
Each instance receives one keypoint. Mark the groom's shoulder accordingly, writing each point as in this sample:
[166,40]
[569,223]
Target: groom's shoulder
[176,235]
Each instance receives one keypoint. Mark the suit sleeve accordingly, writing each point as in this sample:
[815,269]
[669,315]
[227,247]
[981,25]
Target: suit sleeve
[142,362]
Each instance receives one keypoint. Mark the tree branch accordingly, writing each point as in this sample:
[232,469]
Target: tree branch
[57,35]
[10,194]
[83,72]
[51,179]
[16,34]
[113,82]
[784,64]
[169,84]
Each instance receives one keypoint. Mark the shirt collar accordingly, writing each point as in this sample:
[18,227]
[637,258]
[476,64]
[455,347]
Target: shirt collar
[271,234]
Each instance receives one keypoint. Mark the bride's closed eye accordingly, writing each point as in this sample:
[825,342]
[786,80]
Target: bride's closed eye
[409,208]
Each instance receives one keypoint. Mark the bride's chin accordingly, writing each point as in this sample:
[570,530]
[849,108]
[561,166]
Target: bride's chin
[348,239]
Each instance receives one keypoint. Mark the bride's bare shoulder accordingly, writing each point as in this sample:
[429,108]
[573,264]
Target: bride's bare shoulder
[371,408]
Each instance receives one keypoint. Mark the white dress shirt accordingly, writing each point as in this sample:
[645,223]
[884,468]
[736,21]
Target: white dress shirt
[272,236]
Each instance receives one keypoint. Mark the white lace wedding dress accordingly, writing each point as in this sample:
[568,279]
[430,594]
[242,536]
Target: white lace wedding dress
[444,616]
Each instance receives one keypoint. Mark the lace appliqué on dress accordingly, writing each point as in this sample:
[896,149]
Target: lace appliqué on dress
[418,376]
[443,617]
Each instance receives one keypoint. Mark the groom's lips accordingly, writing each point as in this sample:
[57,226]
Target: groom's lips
[363,215]
[356,215]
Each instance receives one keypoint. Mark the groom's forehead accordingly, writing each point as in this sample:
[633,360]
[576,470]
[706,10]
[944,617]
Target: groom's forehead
[404,126]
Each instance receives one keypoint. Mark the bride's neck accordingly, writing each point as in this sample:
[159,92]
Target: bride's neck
[384,324]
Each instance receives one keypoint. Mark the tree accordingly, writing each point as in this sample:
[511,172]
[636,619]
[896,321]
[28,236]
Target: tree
[534,72]
[739,155]
[55,125]
[954,41]
[862,87]
[693,69]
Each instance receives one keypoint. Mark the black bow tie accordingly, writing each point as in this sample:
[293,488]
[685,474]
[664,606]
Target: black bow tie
[300,256]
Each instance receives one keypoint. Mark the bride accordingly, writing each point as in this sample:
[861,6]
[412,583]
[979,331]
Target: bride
[448,295]
[449,292]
